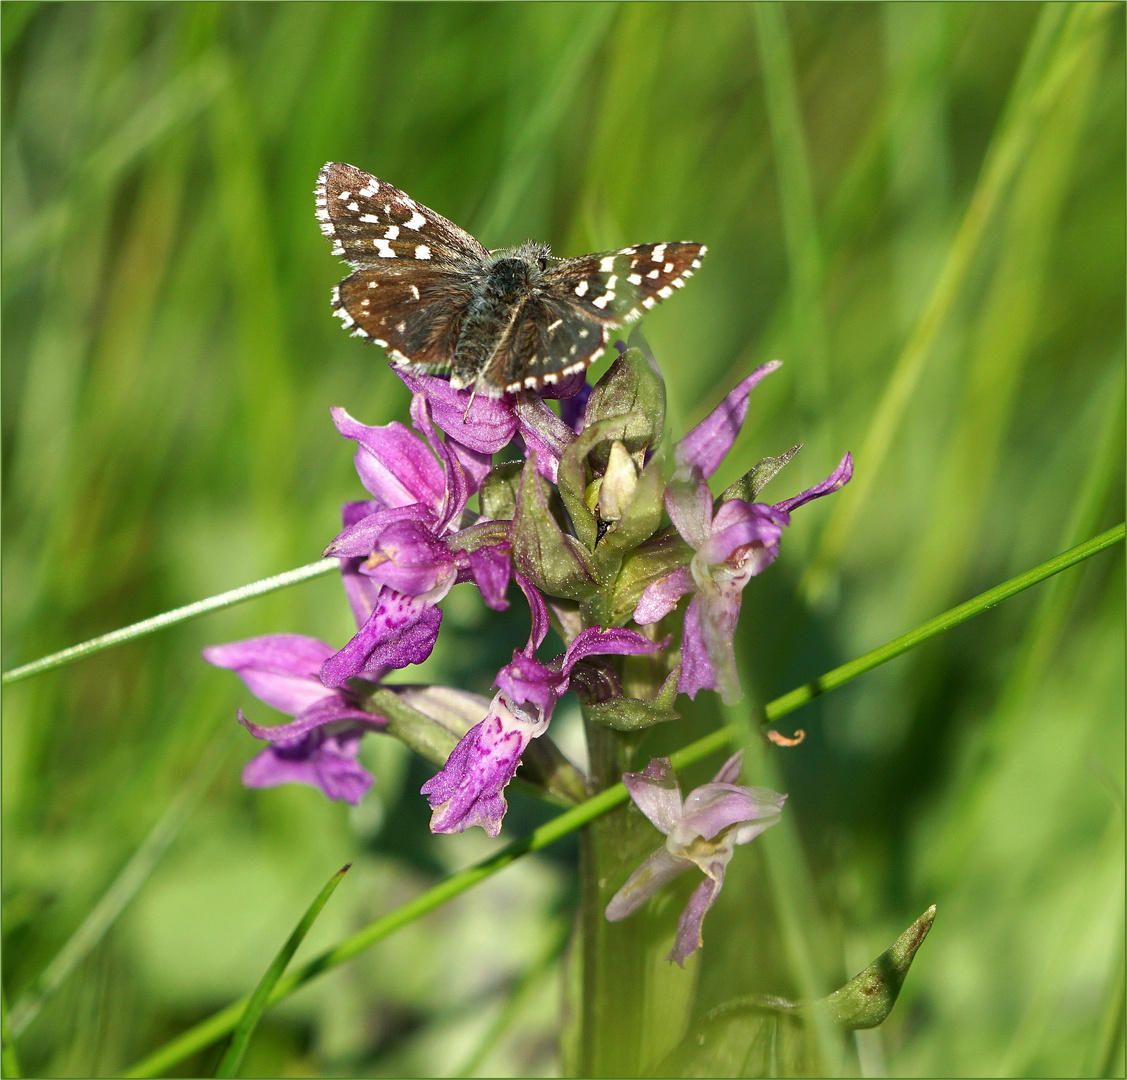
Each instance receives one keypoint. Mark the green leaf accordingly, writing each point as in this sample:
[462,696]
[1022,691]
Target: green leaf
[748,486]
[499,492]
[427,720]
[634,714]
[642,566]
[867,999]
[766,1036]
[233,1057]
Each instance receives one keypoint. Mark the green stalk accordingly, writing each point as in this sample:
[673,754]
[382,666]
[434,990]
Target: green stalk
[631,1005]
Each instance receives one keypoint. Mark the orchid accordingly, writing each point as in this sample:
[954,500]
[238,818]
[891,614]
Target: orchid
[702,831]
[599,528]
[319,747]
[405,540]
[731,544]
[468,791]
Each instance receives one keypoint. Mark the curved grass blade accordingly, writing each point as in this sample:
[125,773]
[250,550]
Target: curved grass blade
[169,618]
[256,1006]
[217,1025]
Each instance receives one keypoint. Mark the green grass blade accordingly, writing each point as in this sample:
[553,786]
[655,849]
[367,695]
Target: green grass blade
[796,200]
[206,1032]
[244,1029]
[881,655]
[1035,90]
[526,150]
[9,1063]
[170,618]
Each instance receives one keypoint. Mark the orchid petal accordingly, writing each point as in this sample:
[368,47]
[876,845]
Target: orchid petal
[393,614]
[544,434]
[539,612]
[280,669]
[837,479]
[729,772]
[456,488]
[482,423]
[333,709]
[468,790]
[707,444]
[712,808]
[660,597]
[616,641]
[689,926]
[655,792]
[647,880]
[393,462]
[689,504]
[743,526]
[491,567]
[329,765]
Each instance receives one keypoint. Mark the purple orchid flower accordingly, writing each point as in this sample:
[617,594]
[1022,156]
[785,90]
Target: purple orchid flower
[469,789]
[731,544]
[486,424]
[703,832]
[401,551]
[319,747]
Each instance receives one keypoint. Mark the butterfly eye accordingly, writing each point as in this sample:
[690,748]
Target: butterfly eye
[543,261]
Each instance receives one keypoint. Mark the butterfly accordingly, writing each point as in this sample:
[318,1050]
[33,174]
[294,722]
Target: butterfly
[500,321]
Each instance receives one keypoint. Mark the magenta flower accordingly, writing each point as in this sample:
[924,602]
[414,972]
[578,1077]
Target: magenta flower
[469,789]
[486,424]
[319,747]
[401,551]
[731,543]
[703,832]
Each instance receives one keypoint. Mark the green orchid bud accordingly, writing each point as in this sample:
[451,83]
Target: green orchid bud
[499,492]
[619,483]
[582,467]
[632,385]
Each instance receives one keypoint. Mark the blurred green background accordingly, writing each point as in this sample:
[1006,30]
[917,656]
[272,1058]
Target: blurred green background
[918,207]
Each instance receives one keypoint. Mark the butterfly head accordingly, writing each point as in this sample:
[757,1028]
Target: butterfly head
[512,271]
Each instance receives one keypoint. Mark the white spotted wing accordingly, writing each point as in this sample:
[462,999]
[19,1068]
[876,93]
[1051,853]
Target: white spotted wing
[435,298]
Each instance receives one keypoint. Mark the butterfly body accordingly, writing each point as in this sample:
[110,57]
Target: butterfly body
[500,321]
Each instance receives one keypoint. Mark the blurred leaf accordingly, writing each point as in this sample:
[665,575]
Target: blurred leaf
[256,1006]
[765,1036]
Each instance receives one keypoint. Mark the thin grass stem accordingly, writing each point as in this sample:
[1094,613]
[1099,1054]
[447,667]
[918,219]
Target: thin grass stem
[170,618]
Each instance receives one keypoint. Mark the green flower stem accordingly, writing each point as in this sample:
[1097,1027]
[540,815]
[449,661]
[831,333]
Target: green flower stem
[621,974]
[170,618]
[218,1025]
